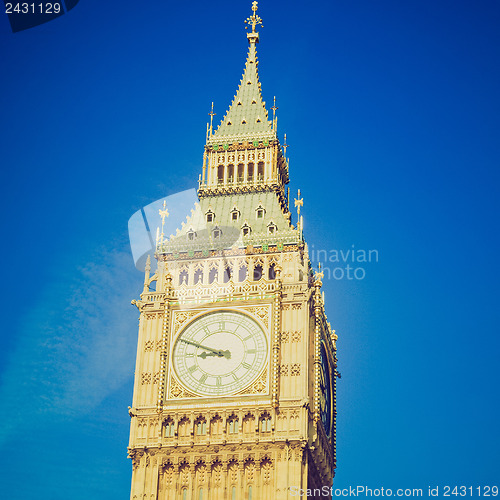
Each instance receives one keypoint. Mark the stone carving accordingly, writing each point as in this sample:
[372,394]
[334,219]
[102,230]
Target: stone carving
[176,391]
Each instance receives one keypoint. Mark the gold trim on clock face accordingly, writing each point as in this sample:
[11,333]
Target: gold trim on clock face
[220,353]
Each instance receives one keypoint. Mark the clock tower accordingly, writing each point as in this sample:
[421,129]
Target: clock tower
[234,392]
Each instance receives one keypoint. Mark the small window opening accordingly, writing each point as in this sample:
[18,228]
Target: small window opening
[213,275]
[272,271]
[250,172]
[201,428]
[183,276]
[242,275]
[210,216]
[260,170]
[257,272]
[265,424]
[169,428]
[246,230]
[260,213]
[233,426]
[198,276]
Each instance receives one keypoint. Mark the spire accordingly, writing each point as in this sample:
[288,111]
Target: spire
[247,117]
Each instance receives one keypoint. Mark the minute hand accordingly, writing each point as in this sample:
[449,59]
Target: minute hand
[218,352]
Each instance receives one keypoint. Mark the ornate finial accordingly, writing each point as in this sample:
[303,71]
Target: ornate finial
[274,108]
[163,213]
[299,202]
[254,19]
[319,276]
[212,114]
[285,145]
[147,270]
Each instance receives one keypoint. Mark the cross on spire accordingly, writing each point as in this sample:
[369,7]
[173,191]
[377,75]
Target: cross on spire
[254,19]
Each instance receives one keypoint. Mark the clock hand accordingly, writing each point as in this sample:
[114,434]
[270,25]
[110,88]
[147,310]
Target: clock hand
[215,351]
[226,354]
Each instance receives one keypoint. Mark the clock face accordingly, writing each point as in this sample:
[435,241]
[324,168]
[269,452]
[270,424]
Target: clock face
[325,398]
[220,353]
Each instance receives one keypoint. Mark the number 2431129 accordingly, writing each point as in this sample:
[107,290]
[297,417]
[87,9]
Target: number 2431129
[33,8]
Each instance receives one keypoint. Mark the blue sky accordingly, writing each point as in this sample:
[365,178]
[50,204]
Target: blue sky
[392,113]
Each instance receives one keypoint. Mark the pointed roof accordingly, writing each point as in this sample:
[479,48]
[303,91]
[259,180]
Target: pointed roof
[247,117]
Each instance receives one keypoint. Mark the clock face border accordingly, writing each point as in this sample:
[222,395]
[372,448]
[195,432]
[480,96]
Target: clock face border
[325,361]
[191,392]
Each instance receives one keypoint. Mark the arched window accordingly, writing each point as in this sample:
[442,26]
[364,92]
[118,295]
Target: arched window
[257,272]
[233,493]
[242,275]
[227,274]
[198,276]
[272,271]
[183,277]
[230,174]
[213,275]
[248,425]
[232,425]
[216,233]
[210,216]
[184,427]
[246,230]
[216,426]
[250,172]
[184,494]
[250,492]
[201,427]
[200,494]
[220,174]
[241,172]
[260,171]
[169,428]
[265,423]
[260,212]
[235,214]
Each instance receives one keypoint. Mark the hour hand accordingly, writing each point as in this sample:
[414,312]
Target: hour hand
[219,354]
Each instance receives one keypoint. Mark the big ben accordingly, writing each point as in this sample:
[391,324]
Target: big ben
[234,391]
